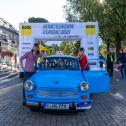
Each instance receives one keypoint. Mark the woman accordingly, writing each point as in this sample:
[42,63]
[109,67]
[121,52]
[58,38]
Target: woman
[31,61]
[83,59]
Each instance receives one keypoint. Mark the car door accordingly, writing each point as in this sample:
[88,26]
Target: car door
[98,81]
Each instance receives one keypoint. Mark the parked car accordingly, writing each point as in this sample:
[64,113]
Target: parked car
[60,84]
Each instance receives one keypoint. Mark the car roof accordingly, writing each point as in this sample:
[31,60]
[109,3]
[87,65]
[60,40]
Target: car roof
[60,56]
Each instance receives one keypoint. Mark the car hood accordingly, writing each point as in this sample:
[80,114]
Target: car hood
[57,79]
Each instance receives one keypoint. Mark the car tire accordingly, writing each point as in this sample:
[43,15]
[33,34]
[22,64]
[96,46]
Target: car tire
[24,103]
[33,109]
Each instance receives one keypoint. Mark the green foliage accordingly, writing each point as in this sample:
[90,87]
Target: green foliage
[55,47]
[37,20]
[50,51]
[70,48]
[111,15]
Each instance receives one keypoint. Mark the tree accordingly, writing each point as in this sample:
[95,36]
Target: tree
[55,47]
[37,20]
[71,47]
[110,15]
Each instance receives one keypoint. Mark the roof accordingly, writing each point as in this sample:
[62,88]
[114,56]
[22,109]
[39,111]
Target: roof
[61,56]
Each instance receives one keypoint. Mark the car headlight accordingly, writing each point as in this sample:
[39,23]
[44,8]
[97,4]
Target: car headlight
[29,86]
[84,86]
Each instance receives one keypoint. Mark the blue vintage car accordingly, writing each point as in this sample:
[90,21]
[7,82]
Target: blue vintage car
[60,84]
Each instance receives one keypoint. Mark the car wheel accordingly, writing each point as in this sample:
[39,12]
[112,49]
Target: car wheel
[33,109]
[24,103]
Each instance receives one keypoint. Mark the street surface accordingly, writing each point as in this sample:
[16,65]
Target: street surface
[108,109]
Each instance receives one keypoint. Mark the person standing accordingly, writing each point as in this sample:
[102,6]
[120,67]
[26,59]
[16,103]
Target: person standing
[31,61]
[40,59]
[101,60]
[123,61]
[121,68]
[110,62]
[83,59]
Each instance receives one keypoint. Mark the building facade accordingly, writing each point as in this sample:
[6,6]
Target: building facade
[9,36]
[9,39]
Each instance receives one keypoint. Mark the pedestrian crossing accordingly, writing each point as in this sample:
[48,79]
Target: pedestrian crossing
[8,78]
[6,74]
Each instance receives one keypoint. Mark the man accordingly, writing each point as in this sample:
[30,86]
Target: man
[31,61]
[120,67]
[123,61]
[110,62]
[83,59]
[101,60]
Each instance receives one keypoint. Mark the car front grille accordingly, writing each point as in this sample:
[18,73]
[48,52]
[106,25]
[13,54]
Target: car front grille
[57,93]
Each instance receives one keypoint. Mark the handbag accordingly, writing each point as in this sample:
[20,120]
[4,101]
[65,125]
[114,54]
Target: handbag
[119,67]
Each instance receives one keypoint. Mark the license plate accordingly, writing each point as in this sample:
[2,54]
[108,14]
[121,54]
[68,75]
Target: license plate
[57,106]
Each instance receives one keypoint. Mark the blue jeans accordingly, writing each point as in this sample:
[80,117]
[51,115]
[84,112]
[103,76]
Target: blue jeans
[123,71]
[124,66]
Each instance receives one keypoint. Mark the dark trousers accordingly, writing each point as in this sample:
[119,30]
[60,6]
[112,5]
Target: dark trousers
[110,69]
[27,75]
[123,70]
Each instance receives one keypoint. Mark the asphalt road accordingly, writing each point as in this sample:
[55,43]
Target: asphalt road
[108,109]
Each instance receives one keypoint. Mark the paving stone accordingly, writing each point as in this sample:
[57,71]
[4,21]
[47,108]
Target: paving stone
[109,109]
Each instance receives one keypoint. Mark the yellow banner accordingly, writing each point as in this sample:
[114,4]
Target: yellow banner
[90,29]
[26,31]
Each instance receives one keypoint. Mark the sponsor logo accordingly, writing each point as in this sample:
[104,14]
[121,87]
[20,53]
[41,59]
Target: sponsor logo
[90,29]
[26,27]
[26,48]
[23,52]
[90,43]
[90,48]
[26,43]
[26,31]
[90,26]
[90,54]
[92,63]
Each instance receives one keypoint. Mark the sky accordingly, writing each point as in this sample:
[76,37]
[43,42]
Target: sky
[17,11]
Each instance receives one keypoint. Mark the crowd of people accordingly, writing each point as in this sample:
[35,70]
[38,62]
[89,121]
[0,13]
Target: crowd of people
[35,57]
[121,66]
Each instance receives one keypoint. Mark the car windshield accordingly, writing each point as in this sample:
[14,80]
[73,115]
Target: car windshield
[59,63]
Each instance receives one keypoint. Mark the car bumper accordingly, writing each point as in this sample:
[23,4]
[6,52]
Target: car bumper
[72,106]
